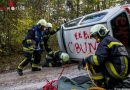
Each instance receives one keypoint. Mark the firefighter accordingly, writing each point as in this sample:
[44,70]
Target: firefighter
[33,47]
[48,32]
[109,65]
[56,59]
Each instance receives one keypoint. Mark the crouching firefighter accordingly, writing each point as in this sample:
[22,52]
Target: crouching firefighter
[56,59]
[109,65]
[33,47]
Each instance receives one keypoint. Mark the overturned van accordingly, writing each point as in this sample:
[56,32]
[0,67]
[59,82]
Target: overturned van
[74,36]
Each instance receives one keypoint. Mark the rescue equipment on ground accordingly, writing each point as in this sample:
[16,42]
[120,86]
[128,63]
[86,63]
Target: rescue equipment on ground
[50,84]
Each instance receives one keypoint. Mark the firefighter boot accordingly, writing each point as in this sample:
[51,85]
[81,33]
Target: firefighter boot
[36,69]
[20,72]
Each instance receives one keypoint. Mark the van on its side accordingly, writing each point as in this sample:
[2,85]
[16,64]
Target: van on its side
[74,36]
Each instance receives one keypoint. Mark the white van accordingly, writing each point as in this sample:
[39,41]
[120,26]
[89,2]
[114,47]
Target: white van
[74,36]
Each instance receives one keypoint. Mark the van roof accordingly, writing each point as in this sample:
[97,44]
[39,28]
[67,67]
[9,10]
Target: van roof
[110,12]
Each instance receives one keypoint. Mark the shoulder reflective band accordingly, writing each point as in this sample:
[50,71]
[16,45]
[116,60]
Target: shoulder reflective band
[112,71]
[114,43]
[95,60]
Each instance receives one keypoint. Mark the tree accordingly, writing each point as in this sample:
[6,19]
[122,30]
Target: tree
[14,24]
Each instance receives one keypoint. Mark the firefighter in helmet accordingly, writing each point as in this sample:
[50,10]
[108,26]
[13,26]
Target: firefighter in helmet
[56,59]
[33,47]
[109,65]
[48,32]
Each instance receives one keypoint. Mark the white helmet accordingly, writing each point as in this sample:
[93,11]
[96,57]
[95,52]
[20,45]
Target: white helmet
[99,29]
[49,25]
[42,22]
[64,57]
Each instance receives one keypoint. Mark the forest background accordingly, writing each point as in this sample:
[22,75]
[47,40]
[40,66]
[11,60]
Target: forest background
[17,16]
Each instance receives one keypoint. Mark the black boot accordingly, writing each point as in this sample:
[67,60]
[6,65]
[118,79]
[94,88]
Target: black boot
[20,72]
[36,69]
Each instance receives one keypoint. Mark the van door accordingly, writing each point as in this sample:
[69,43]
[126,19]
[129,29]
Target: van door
[121,29]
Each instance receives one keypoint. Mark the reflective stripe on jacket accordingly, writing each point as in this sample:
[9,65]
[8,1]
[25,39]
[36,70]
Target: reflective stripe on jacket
[113,54]
[33,35]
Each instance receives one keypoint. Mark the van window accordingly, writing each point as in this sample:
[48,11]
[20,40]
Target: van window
[72,23]
[121,28]
[93,18]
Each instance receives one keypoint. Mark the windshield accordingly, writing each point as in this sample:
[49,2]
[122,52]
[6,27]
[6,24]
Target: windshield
[93,18]
[72,23]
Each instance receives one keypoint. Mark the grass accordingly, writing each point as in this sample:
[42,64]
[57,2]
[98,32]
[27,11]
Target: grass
[9,63]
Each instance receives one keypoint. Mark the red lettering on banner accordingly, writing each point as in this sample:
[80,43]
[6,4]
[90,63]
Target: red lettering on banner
[86,35]
[92,47]
[77,47]
[76,36]
[80,35]
[82,47]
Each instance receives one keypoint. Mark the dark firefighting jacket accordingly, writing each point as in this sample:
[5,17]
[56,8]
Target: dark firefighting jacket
[55,55]
[46,37]
[53,58]
[33,40]
[113,55]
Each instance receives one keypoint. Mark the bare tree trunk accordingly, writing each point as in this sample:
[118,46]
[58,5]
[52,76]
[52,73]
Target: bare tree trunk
[58,6]
[104,4]
[98,6]
[77,8]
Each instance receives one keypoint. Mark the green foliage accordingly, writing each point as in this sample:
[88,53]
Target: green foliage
[21,28]
[14,24]
[3,3]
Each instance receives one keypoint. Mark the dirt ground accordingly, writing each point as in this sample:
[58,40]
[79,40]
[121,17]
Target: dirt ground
[35,80]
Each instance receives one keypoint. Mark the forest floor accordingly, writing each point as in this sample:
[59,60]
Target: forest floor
[36,80]
[10,80]
[10,63]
